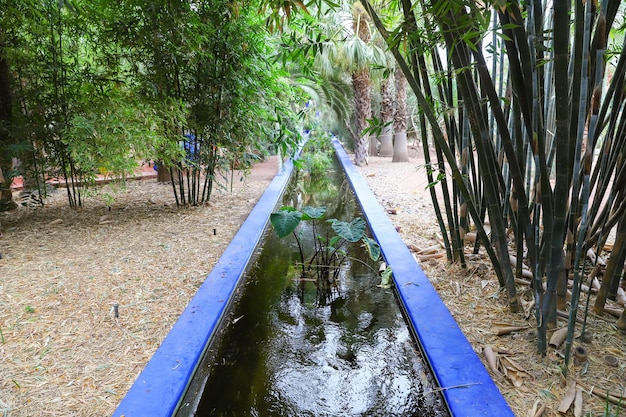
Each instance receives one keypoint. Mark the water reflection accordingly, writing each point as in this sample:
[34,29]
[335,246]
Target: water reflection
[285,355]
[340,360]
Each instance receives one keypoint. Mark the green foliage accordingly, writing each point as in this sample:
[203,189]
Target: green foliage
[318,154]
[609,410]
[385,278]
[313,213]
[114,135]
[375,126]
[100,87]
[372,247]
[329,251]
[352,231]
[285,221]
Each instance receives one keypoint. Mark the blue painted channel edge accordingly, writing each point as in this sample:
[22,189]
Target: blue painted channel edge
[467,386]
[161,386]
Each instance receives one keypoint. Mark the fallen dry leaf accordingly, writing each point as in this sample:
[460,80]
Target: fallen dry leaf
[413,248]
[568,399]
[558,337]
[501,329]
[430,249]
[578,403]
[492,359]
[513,371]
[422,258]
[528,306]
[620,297]
[537,410]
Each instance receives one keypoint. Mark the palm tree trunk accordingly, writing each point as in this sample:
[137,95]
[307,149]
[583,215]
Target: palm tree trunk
[361,85]
[386,117]
[400,152]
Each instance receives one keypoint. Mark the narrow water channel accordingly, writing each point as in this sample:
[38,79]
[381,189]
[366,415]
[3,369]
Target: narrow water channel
[284,353]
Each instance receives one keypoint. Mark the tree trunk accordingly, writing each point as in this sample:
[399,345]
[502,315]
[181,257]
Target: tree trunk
[163,174]
[386,142]
[361,85]
[373,145]
[6,118]
[400,152]
[400,149]
[386,117]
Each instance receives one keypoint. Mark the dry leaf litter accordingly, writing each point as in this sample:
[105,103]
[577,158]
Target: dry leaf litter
[65,275]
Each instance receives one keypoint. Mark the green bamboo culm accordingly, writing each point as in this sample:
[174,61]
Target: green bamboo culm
[532,144]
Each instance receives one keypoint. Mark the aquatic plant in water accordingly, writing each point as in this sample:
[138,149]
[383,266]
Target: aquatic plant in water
[329,249]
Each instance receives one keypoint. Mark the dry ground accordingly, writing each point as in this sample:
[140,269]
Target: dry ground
[63,353]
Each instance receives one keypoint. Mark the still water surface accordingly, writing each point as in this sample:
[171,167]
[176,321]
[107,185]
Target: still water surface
[284,354]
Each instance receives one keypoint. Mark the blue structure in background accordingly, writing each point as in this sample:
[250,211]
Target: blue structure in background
[191,147]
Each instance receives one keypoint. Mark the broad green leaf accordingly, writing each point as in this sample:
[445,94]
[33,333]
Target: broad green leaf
[334,240]
[372,248]
[312,213]
[285,221]
[352,232]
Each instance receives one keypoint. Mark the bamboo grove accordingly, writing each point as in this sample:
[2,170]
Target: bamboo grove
[526,114]
[98,86]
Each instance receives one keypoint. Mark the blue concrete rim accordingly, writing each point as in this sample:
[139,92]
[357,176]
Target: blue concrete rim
[161,386]
[467,387]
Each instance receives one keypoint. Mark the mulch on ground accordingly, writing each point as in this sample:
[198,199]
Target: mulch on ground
[65,273]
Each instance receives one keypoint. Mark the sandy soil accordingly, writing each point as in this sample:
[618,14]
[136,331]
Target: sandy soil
[63,352]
